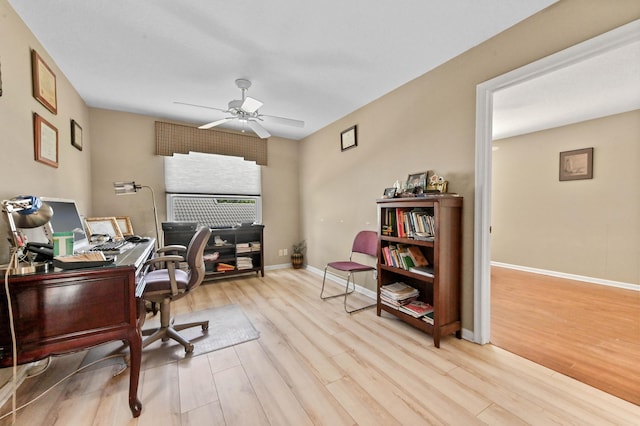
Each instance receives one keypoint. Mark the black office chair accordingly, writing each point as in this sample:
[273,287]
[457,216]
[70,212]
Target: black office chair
[163,286]
[365,242]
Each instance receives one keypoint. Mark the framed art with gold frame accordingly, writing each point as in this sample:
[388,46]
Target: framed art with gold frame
[45,139]
[124,223]
[103,226]
[44,83]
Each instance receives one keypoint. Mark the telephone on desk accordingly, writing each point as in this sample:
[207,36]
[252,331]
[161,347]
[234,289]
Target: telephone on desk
[43,251]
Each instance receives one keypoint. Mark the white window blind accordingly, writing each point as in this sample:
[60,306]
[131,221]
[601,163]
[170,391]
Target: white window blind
[198,173]
[212,190]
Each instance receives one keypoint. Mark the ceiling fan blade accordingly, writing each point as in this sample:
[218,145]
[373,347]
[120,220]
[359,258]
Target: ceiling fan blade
[285,121]
[215,123]
[200,106]
[250,104]
[258,129]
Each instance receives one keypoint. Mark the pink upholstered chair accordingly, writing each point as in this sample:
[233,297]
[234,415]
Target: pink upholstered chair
[163,286]
[365,242]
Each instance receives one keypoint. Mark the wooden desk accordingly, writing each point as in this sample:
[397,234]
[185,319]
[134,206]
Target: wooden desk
[66,311]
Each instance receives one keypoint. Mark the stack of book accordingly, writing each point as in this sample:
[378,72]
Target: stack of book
[417,308]
[243,248]
[244,263]
[397,294]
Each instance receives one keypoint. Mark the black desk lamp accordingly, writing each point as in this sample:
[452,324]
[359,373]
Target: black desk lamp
[127,188]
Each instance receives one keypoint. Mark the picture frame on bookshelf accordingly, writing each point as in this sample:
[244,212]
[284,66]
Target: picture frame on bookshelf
[417,180]
[576,164]
[389,193]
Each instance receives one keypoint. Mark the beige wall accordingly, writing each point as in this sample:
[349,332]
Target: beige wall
[429,124]
[583,227]
[19,173]
[123,150]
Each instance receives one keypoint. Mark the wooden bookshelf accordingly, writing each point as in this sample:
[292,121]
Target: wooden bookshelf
[441,247]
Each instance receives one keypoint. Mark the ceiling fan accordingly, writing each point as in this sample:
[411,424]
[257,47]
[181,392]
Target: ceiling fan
[245,110]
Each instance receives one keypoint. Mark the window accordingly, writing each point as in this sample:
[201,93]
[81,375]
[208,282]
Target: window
[212,190]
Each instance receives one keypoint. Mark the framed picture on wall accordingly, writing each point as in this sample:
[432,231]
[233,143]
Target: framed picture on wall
[44,83]
[349,138]
[45,141]
[576,164]
[76,135]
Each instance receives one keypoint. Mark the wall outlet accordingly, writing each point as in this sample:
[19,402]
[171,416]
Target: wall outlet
[286,252]
[280,252]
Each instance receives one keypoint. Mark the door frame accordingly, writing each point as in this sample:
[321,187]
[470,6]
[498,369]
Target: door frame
[611,40]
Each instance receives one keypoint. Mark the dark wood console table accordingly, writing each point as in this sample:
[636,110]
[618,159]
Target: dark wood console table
[66,311]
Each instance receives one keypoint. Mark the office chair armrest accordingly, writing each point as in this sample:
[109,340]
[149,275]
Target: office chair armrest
[172,249]
[164,259]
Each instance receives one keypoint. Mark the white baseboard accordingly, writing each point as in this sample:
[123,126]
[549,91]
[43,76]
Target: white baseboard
[280,266]
[591,280]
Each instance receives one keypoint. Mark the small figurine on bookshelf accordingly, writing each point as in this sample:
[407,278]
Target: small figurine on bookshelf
[437,183]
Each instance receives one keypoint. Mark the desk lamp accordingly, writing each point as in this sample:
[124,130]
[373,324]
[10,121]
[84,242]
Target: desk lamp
[127,188]
[24,211]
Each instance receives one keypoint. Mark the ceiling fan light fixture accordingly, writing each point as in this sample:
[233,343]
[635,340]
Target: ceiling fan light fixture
[250,104]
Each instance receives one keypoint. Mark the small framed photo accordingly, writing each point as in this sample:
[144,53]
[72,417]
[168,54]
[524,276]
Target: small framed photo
[576,164]
[349,138]
[45,139]
[417,180]
[44,83]
[97,226]
[124,223]
[76,135]
[389,193]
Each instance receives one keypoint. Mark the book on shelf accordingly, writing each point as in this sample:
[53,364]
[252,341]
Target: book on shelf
[396,303]
[224,267]
[416,308]
[423,270]
[417,256]
[428,318]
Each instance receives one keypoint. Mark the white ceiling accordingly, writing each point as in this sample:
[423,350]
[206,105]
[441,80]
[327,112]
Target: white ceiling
[598,86]
[311,61]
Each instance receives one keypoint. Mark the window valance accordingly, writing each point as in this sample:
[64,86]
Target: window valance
[176,138]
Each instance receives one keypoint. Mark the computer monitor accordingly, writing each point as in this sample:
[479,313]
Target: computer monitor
[66,218]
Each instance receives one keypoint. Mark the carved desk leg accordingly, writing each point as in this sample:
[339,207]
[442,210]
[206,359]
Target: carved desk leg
[135,347]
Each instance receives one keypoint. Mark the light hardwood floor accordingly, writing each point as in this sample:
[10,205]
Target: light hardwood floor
[314,364]
[587,331]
